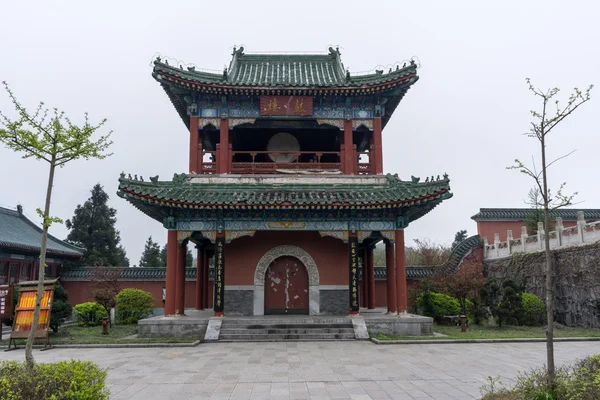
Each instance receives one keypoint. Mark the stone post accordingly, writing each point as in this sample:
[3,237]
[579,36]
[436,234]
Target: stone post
[486,243]
[559,231]
[580,226]
[509,237]
[497,243]
[540,235]
[524,237]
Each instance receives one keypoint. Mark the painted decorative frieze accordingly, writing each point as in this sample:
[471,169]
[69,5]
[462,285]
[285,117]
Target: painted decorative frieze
[202,122]
[368,123]
[362,235]
[233,122]
[389,235]
[210,235]
[196,225]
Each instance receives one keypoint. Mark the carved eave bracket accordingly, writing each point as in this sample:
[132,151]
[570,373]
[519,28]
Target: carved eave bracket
[210,235]
[367,123]
[183,235]
[389,235]
[362,235]
[342,235]
[231,235]
[233,122]
[338,123]
[202,122]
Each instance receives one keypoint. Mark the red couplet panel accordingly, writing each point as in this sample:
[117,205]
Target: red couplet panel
[286,287]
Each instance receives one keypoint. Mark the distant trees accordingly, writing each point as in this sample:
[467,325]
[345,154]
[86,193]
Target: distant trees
[93,228]
[189,257]
[151,256]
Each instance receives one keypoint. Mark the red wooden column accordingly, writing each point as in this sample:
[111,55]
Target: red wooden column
[180,277]
[205,279]
[378,147]
[200,152]
[349,161]
[171,273]
[401,293]
[193,144]
[371,280]
[200,279]
[223,162]
[390,268]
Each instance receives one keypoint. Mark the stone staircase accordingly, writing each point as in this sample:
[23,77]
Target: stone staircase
[278,329]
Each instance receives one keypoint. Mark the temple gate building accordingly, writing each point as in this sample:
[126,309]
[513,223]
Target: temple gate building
[285,189]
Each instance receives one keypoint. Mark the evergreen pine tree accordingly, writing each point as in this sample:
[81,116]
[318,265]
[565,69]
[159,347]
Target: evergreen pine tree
[151,255]
[93,228]
[163,256]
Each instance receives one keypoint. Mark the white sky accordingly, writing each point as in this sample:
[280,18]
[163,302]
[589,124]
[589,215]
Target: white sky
[464,116]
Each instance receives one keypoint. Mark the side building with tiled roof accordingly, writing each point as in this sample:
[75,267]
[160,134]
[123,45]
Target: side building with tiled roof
[500,220]
[20,240]
[285,189]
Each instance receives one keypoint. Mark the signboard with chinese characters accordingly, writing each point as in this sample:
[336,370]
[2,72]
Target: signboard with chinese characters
[219,274]
[6,301]
[25,309]
[353,258]
[286,106]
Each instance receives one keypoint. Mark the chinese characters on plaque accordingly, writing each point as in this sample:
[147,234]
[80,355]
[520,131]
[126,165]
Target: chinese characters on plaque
[354,302]
[6,302]
[286,106]
[219,271]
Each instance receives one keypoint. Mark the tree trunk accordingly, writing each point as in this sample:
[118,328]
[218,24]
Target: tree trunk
[40,289]
[549,274]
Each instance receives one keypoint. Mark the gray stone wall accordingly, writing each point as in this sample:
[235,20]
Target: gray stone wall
[334,301]
[239,302]
[577,282]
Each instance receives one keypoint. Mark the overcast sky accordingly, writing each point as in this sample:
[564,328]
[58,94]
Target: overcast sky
[465,116]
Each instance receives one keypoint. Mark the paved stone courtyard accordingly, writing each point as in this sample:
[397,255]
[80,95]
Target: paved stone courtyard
[312,370]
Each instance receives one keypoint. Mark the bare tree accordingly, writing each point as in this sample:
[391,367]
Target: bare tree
[543,123]
[52,137]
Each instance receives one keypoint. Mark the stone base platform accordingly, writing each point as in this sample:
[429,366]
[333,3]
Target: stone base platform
[194,323]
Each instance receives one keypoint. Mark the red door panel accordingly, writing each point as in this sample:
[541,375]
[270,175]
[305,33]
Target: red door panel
[286,287]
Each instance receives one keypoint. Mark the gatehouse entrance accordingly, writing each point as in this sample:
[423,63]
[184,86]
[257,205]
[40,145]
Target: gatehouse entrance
[286,287]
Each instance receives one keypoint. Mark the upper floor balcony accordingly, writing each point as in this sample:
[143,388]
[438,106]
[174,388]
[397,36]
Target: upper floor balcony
[282,162]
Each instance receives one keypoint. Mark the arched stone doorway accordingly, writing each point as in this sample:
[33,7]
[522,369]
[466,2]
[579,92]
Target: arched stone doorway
[286,287]
[283,252]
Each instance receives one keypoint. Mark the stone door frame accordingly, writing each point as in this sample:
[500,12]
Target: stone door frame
[272,255]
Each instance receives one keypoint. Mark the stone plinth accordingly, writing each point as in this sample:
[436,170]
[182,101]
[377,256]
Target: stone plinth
[193,325]
[399,325]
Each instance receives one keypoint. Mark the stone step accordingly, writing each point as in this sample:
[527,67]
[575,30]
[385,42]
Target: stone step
[285,337]
[269,331]
[286,321]
[286,326]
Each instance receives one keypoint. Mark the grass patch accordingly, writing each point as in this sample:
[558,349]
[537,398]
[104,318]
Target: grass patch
[74,334]
[494,332]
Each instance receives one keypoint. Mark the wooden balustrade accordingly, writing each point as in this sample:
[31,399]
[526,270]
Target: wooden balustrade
[260,162]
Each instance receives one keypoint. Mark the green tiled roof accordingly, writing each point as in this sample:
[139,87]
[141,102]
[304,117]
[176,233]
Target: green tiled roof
[387,191]
[520,214]
[285,70]
[413,272]
[18,232]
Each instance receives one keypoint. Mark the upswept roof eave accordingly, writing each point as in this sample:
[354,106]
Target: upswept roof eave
[51,247]
[519,214]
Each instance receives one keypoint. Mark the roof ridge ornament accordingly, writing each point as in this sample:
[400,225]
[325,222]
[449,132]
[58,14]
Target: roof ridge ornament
[179,179]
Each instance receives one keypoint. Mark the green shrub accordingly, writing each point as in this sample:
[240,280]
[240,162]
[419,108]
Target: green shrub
[442,305]
[82,380]
[584,382]
[133,305]
[61,308]
[535,311]
[89,314]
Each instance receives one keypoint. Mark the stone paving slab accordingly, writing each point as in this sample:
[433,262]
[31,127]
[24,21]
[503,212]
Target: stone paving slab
[312,370]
